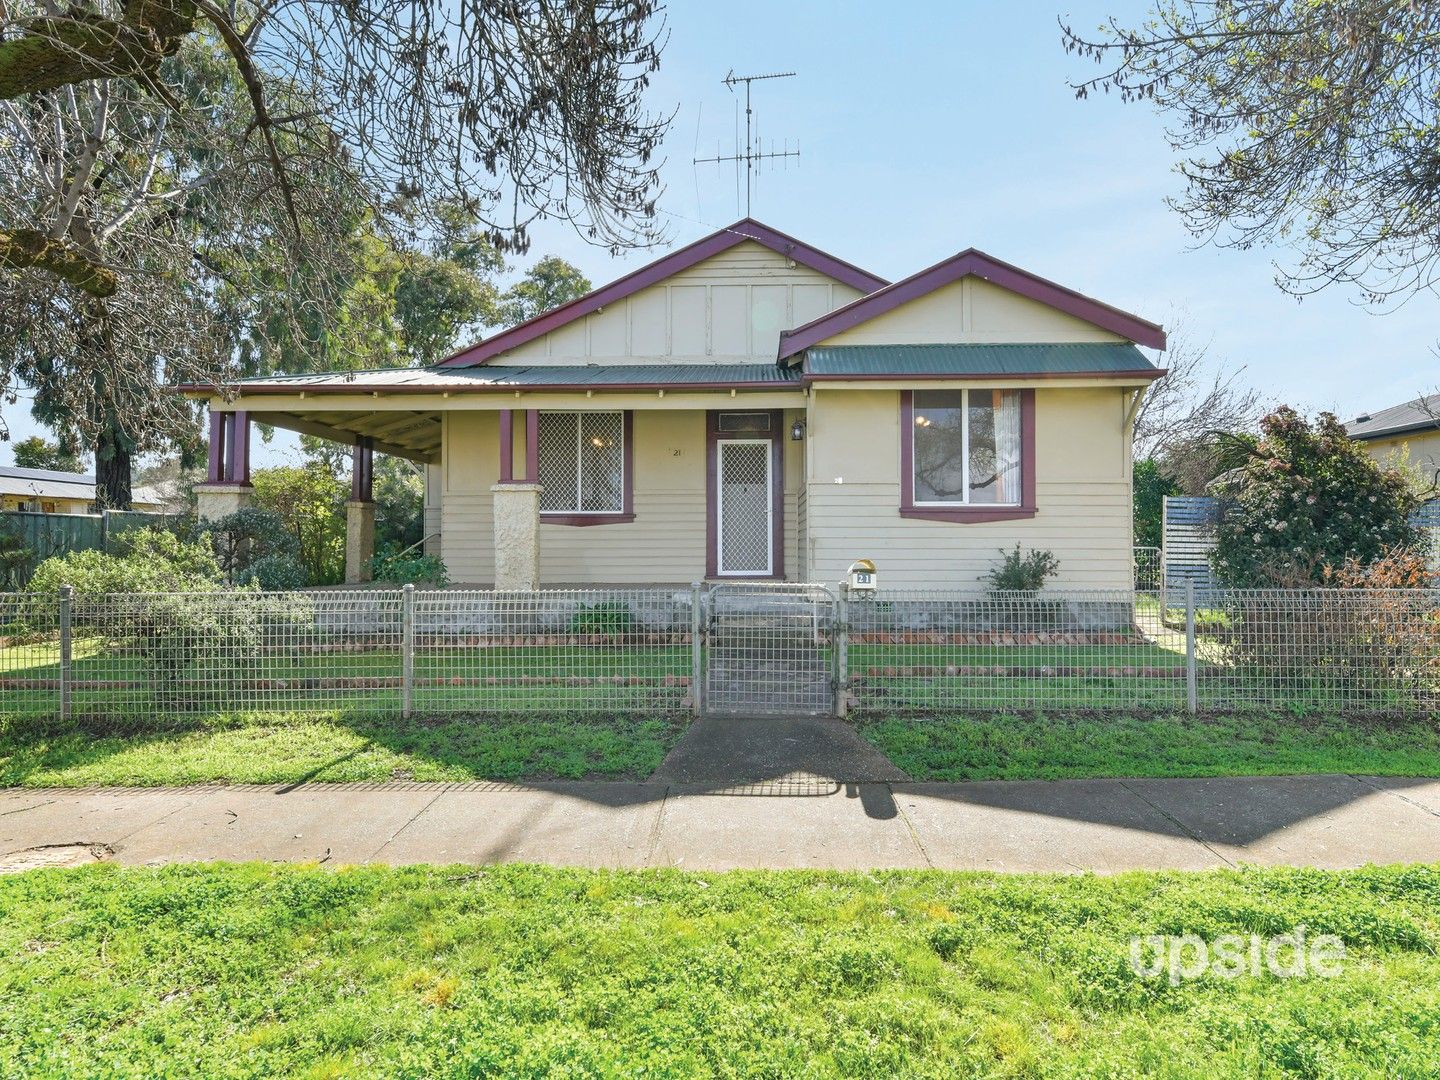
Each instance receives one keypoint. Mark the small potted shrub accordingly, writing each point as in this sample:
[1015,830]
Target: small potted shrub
[1016,583]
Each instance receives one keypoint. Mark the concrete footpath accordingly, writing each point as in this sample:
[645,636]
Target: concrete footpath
[798,820]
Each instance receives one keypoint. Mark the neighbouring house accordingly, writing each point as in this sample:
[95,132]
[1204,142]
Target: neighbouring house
[49,491]
[750,407]
[1412,429]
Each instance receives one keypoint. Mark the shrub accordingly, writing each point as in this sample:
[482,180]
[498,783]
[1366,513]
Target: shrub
[1371,632]
[1019,572]
[612,617]
[1306,497]
[1150,485]
[274,573]
[310,502]
[410,569]
[14,555]
[146,560]
[248,536]
[197,649]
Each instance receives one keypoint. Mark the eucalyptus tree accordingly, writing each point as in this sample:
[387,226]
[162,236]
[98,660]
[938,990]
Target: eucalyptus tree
[190,191]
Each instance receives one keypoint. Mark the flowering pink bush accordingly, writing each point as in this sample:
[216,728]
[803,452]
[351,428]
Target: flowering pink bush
[1307,498]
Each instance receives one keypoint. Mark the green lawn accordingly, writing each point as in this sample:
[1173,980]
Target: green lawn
[262,971]
[271,748]
[1028,746]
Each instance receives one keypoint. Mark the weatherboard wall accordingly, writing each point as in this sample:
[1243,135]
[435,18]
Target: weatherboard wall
[1082,487]
[666,541]
[1419,449]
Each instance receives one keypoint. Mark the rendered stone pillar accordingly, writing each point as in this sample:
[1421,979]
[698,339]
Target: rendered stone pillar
[359,540]
[218,500]
[517,536]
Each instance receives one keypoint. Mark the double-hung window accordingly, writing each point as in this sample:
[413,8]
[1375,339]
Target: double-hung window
[966,451]
[583,460]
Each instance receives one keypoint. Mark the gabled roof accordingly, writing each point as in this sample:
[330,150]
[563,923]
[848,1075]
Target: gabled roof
[986,267]
[650,274]
[1422,414]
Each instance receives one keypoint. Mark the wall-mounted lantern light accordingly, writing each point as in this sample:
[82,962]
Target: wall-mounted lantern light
[797,430]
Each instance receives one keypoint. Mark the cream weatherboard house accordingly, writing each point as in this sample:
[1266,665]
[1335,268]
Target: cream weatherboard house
[750,407]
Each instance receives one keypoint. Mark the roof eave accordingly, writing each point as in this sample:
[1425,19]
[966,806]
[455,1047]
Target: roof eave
[1390,433]
[1145,375]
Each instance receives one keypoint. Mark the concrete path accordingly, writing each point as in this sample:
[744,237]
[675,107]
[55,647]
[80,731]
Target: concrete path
[784,821]
[730,751]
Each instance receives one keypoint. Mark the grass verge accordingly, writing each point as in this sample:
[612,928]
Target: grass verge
[261,970]
[278,748]
[1036,746]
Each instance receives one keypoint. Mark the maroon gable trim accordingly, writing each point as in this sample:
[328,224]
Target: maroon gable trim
[978,512]
[686,257]
[987,268]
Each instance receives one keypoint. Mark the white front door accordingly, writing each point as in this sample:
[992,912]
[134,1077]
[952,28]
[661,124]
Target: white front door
[745,508]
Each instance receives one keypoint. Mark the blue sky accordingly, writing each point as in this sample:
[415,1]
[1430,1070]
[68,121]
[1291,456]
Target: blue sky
[926,128]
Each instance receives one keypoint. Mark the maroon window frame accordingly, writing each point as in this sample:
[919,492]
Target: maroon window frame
[713,435]
[627,502]
[974,512]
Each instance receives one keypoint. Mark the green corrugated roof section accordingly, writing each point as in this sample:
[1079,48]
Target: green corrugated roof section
[1079,358]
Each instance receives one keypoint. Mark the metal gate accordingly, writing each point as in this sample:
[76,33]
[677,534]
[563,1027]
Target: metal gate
[770,650]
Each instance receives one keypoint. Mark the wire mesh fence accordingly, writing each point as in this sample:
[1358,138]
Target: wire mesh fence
[617,650]
[1148,563]
[912,651]
[156,655]
[735,648]
[1308,651]
[770,649]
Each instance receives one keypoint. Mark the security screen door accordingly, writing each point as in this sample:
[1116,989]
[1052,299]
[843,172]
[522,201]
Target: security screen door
[745,510]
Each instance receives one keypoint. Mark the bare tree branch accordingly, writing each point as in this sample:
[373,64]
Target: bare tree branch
[1311,125]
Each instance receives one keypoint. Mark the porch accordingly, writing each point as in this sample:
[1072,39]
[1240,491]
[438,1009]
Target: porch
[660,476]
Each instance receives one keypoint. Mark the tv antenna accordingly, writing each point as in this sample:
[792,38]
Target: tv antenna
[754,152]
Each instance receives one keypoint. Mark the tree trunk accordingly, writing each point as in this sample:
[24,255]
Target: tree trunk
[112,469]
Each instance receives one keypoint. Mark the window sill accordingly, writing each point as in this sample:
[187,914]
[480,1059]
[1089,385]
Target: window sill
[968,514]
[585,519]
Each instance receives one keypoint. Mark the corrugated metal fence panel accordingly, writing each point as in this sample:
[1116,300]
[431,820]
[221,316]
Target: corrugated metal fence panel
[40,536]
[1189,537]
[1428,519]
[1188,532]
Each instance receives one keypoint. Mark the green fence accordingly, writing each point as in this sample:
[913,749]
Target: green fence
[28,539]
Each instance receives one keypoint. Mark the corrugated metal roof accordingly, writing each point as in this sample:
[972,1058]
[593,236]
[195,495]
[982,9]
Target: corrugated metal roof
[1417,415]
[624,376]
[53,484]
[1009,360]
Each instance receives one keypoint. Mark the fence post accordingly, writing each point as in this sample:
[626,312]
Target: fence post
[840,649]
[67,593]
[697,657]
[1192,696]
[407,649]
